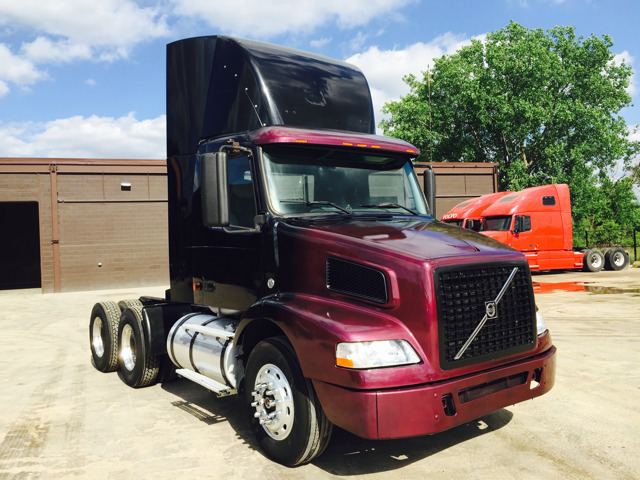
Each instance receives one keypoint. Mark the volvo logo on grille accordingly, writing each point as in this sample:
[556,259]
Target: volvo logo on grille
[491,310]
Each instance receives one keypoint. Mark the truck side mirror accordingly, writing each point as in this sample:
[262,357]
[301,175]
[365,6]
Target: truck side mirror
[429,180]
[213,189]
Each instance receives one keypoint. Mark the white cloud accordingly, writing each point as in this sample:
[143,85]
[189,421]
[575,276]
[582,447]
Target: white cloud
[109,24]
[261,19]
[385,69]
[320,42]
[628,59]
[69,31]
[357,42]
[15,140]
[43,50]
[90,137]
[17,70]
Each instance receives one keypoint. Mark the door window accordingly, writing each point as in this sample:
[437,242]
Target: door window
[242,208]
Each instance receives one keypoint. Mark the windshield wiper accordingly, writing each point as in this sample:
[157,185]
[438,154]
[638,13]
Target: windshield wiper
[389,205]
[318,202]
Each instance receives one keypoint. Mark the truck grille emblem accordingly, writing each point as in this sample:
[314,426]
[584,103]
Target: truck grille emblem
[491,312]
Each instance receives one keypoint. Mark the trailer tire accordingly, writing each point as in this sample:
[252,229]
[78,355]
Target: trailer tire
[103,336]
[137,368]
[616,259]
[593,260]
[297,430]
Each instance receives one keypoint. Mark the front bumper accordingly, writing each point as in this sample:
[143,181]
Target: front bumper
[436,407]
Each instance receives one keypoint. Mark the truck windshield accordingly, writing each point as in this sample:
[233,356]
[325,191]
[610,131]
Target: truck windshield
[302,180]
[500,223]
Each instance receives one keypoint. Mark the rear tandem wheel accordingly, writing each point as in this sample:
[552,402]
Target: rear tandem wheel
[615,258]
[103,335]
[593,260]
[137,368]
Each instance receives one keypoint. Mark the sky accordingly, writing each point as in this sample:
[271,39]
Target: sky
[86,78]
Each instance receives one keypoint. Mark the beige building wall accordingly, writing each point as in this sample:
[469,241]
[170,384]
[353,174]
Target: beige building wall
[103,223]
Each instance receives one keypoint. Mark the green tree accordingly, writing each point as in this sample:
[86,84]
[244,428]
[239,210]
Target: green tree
[545,106]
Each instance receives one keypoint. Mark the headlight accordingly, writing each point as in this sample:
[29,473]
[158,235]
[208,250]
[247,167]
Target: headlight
[381,353]
[540,322]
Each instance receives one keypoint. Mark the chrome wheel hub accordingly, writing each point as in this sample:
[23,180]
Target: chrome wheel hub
[618,259]
[96,334]
[273,402]
[128,347]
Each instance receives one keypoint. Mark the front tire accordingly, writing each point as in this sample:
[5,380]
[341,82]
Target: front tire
[285,414]
[103,336]
[136,367]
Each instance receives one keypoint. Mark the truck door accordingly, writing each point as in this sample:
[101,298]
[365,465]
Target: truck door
[533,245]
[230,260]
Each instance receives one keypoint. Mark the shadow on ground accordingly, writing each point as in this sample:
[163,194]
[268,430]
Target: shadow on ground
[346,454]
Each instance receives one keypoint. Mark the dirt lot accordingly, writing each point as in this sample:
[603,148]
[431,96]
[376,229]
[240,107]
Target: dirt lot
[61,418]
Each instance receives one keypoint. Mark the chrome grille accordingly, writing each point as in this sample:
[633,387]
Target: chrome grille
[463,296]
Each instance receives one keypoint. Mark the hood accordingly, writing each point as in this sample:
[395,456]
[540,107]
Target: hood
[419,237]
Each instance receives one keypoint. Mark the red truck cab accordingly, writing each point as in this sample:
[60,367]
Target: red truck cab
[537,222]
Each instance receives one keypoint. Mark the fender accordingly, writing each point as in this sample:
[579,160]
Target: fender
[315,325]
[157,320]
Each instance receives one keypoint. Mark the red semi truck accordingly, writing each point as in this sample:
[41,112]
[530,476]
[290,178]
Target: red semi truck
[468,214]
[306,274]
[537,222]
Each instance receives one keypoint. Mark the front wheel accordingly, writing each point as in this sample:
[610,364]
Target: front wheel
[285,414]
[137,368]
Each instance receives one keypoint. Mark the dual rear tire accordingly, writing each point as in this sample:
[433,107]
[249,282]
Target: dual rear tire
[136,367]
[613,258]
[117,342]
[103,336]
[616,258]
[593,260]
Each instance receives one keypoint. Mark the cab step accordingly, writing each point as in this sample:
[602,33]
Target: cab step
[218,388]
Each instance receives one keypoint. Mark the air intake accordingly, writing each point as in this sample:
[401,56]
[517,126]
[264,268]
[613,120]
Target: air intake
[357,280]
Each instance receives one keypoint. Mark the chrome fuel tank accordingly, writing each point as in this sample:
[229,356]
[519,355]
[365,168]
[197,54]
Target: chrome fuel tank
[204,343]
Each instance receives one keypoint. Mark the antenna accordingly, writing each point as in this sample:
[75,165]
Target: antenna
[254,106]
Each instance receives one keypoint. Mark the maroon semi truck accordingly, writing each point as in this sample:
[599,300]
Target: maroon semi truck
[307,276]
